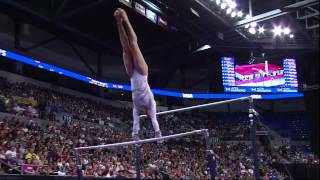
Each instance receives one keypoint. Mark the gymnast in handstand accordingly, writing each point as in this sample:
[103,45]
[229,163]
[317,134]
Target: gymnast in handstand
[137,70]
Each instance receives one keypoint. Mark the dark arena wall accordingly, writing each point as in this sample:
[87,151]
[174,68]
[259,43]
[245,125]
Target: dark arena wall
[313,111]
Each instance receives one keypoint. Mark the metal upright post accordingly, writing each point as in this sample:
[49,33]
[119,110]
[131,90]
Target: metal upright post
[250,8]
[79,167]
[253,128]
[210,156]
[138,159]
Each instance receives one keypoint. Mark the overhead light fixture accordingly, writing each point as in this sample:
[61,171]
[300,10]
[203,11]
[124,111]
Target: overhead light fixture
[253,24]
[291,36]
[218,2]
[261,30]
[247,26]
[234,14]
[194,12]
[229,10]
[223,5]
[252,30]
[233,4]
[277,31]
[153,6]
[126,2]
[248,16]
[205,47]
[286,31]
[240,14]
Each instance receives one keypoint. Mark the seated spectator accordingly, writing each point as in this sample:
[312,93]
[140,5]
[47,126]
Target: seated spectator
[11,153]
[28,168]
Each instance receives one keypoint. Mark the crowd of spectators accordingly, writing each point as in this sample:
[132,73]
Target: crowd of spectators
[300,154]
[30,144]
[30,100]
[46,103]
[45,147]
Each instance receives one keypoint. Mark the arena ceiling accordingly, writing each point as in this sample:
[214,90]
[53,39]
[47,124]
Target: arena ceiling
[90,23]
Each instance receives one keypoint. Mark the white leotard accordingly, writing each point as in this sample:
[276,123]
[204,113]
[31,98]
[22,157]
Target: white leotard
[138,81]
[142,98]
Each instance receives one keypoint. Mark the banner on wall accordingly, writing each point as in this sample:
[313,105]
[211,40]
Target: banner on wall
[25,101]
[64,117]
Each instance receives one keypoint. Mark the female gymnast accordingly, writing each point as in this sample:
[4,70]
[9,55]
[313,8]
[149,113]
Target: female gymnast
[137,70]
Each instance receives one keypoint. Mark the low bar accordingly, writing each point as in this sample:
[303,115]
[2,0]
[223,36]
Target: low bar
[201,106]
[144,140]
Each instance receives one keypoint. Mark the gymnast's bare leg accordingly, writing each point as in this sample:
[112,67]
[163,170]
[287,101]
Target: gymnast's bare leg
[137,70]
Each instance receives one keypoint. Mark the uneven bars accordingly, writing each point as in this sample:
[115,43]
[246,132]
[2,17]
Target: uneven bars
[201,106]
[144,140]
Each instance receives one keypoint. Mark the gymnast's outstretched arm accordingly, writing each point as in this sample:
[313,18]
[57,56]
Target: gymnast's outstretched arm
[138,60]
[127,57]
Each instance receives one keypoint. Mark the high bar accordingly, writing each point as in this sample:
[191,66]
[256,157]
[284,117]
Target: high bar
[144,140]
[201,106]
